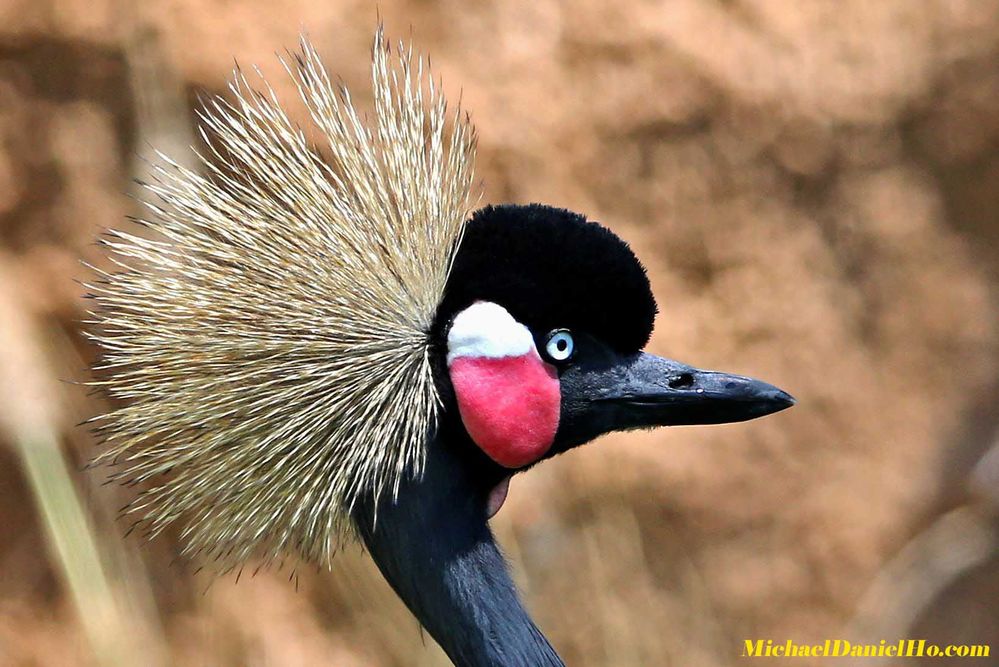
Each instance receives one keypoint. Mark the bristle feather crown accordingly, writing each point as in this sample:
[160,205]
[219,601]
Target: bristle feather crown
[268,342]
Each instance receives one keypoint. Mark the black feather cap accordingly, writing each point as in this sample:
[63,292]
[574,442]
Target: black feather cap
[551,269]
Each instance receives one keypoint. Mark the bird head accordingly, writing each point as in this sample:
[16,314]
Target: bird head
[538,343]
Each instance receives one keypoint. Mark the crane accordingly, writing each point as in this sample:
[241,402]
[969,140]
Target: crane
[320,343]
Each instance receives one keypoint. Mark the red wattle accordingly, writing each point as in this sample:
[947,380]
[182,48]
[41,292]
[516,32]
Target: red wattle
[509,405]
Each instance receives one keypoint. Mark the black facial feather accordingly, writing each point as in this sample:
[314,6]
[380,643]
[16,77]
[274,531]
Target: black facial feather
[551,268]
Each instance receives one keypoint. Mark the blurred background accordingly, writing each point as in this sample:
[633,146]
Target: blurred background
[814,187]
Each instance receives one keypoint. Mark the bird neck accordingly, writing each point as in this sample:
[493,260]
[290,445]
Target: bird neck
[435,549]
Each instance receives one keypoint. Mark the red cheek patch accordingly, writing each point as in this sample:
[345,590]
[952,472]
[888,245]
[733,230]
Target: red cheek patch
[509,405]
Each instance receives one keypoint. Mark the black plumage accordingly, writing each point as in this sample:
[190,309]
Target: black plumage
[551,268]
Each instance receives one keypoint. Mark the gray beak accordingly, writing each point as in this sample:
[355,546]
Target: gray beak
[644,391]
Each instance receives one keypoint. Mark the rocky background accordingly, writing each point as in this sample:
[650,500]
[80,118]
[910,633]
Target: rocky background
[814,187]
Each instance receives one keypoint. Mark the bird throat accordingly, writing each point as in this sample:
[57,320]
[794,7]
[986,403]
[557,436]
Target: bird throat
[508,398]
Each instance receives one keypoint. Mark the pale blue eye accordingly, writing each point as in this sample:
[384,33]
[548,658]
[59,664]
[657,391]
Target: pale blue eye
[560,345]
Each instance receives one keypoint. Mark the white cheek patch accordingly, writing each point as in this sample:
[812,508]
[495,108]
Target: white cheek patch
[486,329]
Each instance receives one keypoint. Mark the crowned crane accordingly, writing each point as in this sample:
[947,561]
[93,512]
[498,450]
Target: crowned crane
[319,343]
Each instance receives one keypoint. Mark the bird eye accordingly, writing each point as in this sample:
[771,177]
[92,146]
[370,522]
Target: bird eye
[560,345]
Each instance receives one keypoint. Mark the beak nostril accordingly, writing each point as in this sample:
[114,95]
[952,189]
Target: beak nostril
[682,381]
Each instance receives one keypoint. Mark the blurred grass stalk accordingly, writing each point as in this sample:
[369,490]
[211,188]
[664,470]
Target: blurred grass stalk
[72,539]
[30,415]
